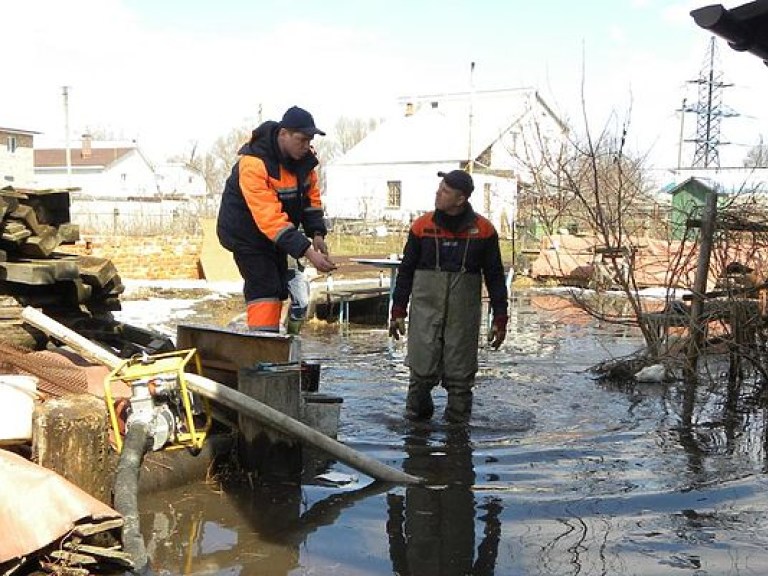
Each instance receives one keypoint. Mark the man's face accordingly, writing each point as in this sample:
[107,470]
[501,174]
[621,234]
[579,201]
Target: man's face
[449,200]
[294,144]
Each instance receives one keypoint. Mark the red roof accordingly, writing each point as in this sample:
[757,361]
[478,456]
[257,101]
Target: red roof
[54,157]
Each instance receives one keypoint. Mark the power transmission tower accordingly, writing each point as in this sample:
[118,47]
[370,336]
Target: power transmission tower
[709,111]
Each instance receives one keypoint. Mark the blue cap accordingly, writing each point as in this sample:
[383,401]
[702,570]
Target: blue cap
[298,119]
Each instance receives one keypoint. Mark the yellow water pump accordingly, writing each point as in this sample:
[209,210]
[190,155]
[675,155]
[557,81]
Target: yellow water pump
[160,397]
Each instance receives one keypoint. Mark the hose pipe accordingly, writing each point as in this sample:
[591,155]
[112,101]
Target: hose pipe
[126,489]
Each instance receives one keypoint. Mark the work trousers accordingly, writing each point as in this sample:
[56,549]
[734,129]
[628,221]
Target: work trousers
[443,334]
[265,286]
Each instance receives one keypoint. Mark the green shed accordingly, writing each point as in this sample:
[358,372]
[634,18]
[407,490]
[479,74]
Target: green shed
[688,199]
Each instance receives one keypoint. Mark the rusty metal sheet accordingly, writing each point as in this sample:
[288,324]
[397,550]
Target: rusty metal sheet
[37,507]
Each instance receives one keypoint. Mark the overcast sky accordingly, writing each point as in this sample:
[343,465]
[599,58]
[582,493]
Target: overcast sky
[173,72]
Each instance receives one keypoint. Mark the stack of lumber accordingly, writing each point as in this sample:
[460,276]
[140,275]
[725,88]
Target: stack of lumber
[33,224]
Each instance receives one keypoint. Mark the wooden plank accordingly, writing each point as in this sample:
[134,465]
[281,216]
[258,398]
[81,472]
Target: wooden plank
[41,245]
[69,233]
[74,558]
[92,528]
[27,215]
[40,272]
[113,554]
[222,348]
[95,270]
[15,232]
[10,312]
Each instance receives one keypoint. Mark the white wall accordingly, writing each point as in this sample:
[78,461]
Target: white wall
[177,179]
[17,167]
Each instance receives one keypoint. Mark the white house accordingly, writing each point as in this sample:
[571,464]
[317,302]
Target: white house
[16,157]
[100,169]
[178,180]
[392,173]
[115,186]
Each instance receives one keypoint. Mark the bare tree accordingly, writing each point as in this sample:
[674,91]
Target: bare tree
[543,199]
[757,157]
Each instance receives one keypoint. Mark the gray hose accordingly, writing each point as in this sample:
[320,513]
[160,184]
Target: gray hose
[126,488]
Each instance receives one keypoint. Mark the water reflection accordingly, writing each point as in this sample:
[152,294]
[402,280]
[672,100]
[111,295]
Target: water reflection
[431,529]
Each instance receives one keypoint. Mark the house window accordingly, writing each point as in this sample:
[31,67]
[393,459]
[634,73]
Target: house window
[11,144]
[393,193]
[123,177]
[487,197]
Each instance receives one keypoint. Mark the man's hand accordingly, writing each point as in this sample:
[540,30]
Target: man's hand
[396,328]
[318,243]
[319,260]
[498,331]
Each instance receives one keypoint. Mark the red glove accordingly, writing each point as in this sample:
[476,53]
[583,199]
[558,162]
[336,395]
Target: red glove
[498,331]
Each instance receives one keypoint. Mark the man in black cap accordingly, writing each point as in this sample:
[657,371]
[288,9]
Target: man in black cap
[272,192]
[446,257]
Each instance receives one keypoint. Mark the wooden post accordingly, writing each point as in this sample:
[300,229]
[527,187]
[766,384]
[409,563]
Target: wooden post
[70,438]
[700,287]
[263,451]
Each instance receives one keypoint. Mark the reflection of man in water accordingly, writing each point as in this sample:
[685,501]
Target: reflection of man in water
[432,529]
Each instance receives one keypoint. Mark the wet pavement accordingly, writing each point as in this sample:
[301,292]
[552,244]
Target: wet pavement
[557,473]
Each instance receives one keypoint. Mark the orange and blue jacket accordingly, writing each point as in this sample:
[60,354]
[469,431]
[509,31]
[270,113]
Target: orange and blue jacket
[268,196]
[465,243]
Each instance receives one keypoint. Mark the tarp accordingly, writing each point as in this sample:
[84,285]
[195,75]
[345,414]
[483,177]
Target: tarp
[37,507]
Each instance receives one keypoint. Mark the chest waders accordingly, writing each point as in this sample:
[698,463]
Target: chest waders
[443,334]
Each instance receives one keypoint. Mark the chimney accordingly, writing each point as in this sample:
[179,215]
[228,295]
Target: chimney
[85,151]
[409,108]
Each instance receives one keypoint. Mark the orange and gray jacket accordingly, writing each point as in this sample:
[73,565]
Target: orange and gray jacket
[268,196]
[466,243]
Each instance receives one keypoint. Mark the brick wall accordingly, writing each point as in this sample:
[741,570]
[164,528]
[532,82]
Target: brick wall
[152,258]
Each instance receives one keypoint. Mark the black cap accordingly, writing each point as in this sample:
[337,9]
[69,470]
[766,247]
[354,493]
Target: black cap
[459,180]
[298,119]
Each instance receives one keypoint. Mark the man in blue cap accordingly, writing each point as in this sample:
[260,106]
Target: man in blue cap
[271,209]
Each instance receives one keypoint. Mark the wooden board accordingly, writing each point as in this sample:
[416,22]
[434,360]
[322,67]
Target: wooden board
[227,350]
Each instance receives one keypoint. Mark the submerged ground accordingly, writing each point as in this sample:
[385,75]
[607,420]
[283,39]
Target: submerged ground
[557,473]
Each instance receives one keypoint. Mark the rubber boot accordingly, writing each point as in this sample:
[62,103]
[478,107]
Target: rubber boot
[418,402]
[458,407]
[293,326]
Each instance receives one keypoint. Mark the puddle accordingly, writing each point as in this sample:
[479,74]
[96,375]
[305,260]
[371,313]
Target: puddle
[557,474]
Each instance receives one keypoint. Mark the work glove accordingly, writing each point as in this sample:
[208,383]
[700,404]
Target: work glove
[397,322]
[498,331]
[396,328]
[318,243]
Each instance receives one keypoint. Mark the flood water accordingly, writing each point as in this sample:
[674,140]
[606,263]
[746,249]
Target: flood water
[557,474]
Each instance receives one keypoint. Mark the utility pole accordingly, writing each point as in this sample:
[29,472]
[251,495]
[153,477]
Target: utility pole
[67,150]
[680,140]
[470,153]
[709,111]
